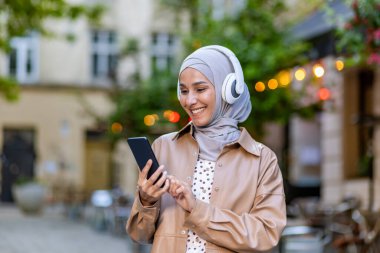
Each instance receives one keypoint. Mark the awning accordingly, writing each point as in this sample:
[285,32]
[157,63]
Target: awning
[319,22]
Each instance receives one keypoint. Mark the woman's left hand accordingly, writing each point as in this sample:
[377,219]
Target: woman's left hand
[182,193]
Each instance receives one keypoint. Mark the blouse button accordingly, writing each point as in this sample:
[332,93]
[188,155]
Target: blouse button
[188,178]
[220,164]
[216,189]
[183,232]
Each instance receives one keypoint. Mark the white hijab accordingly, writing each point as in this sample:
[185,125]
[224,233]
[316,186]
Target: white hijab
[223,126]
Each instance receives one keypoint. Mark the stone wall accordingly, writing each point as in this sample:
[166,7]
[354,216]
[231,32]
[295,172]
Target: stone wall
[332,136]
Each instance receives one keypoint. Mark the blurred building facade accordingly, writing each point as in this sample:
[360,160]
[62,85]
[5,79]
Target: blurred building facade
[335,149]
[53,133]
[65,87]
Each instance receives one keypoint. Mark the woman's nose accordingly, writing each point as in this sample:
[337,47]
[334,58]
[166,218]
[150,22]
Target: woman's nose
[191,99]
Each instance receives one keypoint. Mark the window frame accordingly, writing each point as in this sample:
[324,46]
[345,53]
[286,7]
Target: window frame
[22,46]
[105,49]
[164,46]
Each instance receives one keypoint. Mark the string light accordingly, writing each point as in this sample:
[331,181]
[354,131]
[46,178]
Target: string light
[318,70]
[339,65]
[300,74]
[156,118]
[324,93]
[272,84]
[284,78]
[116,128]
[167,114]
[174,117]
[259,86]
[149,120]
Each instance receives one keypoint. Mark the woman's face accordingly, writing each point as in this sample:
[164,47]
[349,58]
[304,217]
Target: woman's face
[197,96]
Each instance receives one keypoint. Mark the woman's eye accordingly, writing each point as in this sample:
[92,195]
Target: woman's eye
[201,89]
[183,92]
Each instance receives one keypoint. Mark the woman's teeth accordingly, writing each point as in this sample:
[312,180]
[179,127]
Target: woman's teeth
[196,111]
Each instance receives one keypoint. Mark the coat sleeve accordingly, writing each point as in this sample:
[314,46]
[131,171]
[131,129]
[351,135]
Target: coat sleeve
[141,224]
[257,230]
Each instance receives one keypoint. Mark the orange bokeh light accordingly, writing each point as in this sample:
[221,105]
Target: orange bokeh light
[272,84]
[149,120]
[324,93]
[259,86]
[167,114]
[339,65]
[116,128]
[284,78]
[174,117]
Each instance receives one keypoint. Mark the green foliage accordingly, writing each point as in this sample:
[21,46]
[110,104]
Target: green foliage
[131,47]
[365,166]
[359,39]
[23,180]
[9,88]
[263,49]
[153,96]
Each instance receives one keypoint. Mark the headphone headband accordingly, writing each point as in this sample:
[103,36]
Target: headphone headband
[235,64]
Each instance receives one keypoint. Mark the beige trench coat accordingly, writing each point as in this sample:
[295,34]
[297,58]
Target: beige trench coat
[247,205]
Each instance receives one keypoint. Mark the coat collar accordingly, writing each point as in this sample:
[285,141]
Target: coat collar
[245,140]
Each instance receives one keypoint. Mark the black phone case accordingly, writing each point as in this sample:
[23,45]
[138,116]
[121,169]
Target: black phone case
[142,151]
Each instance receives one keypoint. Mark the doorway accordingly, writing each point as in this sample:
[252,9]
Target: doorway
[17,159]
[98,162]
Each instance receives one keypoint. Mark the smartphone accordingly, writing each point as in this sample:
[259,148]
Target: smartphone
[142,151]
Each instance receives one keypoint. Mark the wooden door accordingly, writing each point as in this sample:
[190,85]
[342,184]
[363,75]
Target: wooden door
[98,165]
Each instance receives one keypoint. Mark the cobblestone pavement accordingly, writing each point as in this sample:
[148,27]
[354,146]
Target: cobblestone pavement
[53,233]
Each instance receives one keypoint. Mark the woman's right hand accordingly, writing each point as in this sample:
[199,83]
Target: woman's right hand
[150,191]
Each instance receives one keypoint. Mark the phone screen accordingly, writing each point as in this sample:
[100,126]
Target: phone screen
[142,151]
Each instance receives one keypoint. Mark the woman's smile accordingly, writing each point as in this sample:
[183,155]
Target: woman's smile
[197,111]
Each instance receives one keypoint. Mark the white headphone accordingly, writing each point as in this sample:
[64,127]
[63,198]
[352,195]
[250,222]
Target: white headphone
[233,84]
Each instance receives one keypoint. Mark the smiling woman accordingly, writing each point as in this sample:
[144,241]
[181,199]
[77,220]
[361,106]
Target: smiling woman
[223,191]
[197,96]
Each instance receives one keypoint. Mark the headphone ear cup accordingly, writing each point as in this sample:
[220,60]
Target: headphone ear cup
[229,93]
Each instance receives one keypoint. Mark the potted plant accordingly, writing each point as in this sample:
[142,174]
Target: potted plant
[29,195]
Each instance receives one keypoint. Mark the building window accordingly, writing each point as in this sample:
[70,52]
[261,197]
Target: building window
[164,47]
[104,55]
[221,8]
[23,59]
